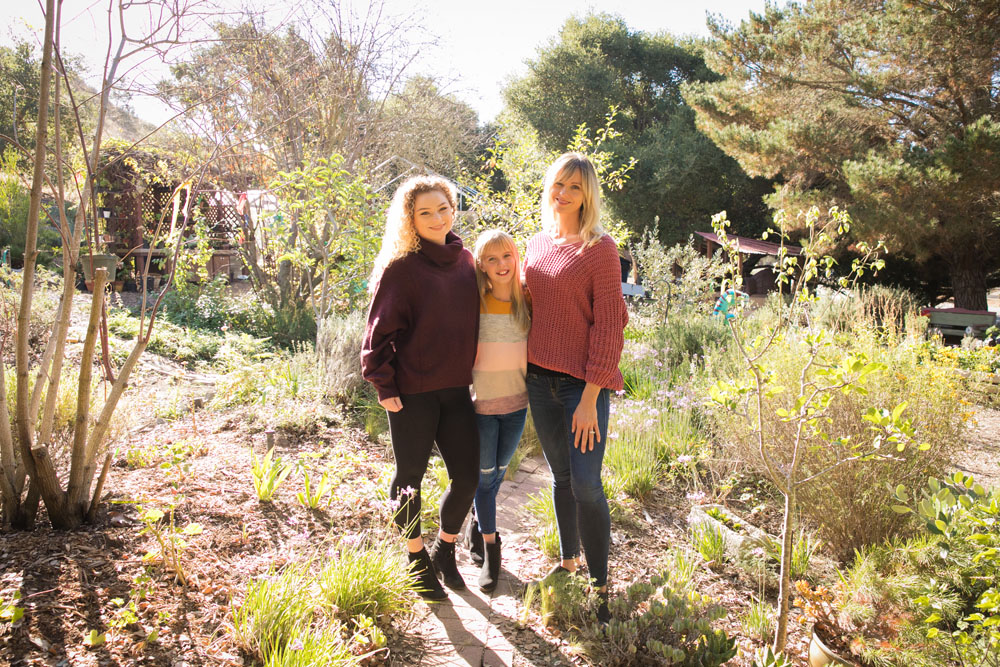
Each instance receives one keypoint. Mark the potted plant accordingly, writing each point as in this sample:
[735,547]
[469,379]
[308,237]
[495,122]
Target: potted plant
[848,622]
[90,263]
[831,628]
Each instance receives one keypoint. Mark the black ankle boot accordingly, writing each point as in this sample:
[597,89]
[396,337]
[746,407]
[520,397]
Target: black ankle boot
[443,557]
[490,574]
[602,612]
[475,540]
[422,571]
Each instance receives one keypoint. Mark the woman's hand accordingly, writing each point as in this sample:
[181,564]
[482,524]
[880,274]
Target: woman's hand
[586,430]
[393,404]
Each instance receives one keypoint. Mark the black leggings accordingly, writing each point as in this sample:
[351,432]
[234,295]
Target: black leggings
[445,416]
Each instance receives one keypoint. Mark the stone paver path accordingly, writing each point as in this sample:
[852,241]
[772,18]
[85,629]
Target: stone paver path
[469,627]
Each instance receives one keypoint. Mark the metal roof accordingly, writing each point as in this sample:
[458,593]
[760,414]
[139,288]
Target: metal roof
[753,246]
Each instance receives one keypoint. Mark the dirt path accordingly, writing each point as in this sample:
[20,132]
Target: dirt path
[982,459]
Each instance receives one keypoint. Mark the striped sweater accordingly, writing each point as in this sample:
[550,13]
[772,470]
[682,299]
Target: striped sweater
[501,361]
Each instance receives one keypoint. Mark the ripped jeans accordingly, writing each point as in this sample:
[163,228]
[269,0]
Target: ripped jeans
[498,438]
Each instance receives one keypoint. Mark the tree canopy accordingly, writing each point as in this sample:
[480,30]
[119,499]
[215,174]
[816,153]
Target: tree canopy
[597,62]
[281,98]
[890,108]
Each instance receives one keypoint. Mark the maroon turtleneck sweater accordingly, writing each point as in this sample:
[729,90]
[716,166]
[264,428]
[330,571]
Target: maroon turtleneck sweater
[423,322]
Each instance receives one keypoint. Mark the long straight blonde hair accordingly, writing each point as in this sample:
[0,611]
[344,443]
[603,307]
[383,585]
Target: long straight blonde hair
[562,169]
[498,239]
[400,237]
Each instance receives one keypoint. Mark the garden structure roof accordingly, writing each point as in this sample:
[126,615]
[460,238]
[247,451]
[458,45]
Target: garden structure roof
[750,246]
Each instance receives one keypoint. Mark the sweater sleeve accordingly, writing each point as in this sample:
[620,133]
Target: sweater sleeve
[610,317]
[387,317]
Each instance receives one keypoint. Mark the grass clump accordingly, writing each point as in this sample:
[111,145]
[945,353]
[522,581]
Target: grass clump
[365,578]
[708,540]
[757,621]
[546,535]
[307,614]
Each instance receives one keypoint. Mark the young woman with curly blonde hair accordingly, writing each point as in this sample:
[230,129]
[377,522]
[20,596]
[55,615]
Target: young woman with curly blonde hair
[418,352]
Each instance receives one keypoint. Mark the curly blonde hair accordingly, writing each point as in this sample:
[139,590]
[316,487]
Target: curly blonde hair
[400,237]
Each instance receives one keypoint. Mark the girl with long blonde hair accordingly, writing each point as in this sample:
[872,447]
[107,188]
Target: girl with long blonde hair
[500,397]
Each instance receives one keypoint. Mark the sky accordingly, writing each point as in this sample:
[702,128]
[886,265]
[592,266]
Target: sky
[479,45]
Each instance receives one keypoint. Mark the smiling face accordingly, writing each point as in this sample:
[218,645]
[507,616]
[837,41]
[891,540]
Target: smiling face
[433,216]
[566,193]
[499,263]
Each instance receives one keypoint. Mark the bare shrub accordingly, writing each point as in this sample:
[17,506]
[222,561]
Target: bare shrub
[891,311]
[850,503]
[338,346]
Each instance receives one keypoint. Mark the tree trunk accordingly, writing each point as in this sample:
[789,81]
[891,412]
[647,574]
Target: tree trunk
[25,429]
[785,577]
[968,282]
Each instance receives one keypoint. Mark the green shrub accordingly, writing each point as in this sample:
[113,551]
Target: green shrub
[847,502]
[212,305]
[663,621]
[689,336]
[677,279]
[962,520]
[44,303]
[14,203]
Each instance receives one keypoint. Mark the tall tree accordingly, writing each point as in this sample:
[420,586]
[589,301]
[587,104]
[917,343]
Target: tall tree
[28,470]
[888,107]
[316,85]
[598,62]
[428,128]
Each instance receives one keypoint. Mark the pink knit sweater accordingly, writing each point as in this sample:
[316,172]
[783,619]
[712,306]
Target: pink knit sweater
[578,313]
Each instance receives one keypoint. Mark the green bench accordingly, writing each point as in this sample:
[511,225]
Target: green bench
[959,321]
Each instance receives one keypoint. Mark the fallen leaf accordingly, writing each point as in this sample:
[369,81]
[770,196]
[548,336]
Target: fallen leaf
[94,639]
[40,642]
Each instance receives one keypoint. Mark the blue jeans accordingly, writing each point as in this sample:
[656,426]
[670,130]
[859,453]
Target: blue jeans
[577,493]
[498,438]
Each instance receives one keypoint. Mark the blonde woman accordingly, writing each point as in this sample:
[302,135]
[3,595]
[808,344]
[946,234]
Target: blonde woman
[499,394]
[419,347]
[572,272]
